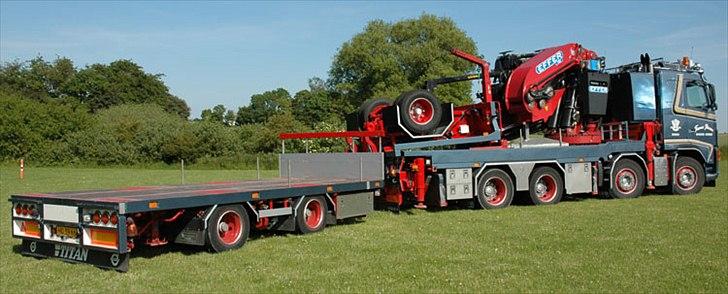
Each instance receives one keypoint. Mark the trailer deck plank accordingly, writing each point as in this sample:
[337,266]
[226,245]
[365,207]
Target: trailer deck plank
[148,193]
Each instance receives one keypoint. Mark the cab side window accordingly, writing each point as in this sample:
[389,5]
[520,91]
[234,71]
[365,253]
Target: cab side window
[695,96]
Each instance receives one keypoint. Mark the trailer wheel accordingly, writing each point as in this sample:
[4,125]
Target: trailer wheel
[311,214]
[495,189]
[370,106]
[228,228]
[689,176]
[628,180]
[420,111]
[545,186]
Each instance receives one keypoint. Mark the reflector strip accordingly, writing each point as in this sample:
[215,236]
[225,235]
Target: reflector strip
[31,228]
[104,237]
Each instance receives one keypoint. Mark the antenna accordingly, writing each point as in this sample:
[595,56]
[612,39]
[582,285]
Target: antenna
[691,52]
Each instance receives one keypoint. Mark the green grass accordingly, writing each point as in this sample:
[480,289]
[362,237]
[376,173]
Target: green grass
[654,243]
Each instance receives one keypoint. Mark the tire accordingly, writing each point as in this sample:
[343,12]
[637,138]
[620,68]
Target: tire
[545,186]
[495,190]
[311,214]
[228,228]
[369,106]
[420,111]
[689,176]
[628,180]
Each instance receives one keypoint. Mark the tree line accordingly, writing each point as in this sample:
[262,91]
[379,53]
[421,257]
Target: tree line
[52,112]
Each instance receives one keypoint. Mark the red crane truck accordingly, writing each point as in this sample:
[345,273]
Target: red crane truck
[613,132]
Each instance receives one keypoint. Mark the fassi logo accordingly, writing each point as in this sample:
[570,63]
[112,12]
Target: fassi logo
[555,59]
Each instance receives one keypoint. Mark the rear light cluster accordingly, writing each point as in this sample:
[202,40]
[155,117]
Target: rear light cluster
[101,217]
[26,210]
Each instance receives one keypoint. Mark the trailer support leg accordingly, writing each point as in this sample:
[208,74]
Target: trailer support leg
[420,184]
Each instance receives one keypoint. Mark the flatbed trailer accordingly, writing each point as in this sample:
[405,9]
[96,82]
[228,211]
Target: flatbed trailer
[99,227]
[643,126]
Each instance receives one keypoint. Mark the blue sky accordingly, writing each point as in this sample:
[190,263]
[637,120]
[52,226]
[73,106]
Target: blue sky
[223,52]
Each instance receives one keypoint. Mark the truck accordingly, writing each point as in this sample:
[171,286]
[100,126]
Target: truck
[549,123]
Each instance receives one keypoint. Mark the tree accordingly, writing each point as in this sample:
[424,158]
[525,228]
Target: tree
[37,79]
[265,105]
[216,114]
[387,59]
[230,117]
[317,104]
[123,81]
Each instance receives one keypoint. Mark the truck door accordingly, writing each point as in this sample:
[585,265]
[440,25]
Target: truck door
[688,114]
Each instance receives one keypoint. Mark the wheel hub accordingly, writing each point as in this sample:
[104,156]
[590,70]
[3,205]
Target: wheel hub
[490,191]
[686,179]
[541,188]
[626,182]
[224,227]
[421,111]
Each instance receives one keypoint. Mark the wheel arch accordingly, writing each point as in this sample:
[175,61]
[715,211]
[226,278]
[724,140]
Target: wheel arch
[633,156]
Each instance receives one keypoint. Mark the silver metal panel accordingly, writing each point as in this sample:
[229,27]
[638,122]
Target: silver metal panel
[60,213]
[578,177]
[661,171]
[522,171]
[275,212]
[365,166]
[459,183]
[351,205]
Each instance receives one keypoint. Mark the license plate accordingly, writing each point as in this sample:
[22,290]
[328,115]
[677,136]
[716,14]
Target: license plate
[67,232]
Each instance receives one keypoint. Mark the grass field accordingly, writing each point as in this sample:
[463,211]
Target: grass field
[654,243]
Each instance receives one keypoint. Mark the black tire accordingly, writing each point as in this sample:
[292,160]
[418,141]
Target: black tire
[627,180]
[314,219]
[545,186]
[689,176]
[429,115]
[495,190]
[368,106]
[222,237]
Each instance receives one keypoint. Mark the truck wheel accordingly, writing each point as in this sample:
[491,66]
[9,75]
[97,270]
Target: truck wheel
[370,106]
[228,228]
[495,189]
[628,180]
[420,111]
[545,186]
[689,176]
[311,215]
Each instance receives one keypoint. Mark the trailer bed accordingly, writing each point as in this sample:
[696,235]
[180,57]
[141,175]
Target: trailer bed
[146,198]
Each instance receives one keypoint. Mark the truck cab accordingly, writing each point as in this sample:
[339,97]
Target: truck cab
[686,106]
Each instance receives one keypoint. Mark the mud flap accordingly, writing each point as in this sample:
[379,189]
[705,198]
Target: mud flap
[76,254]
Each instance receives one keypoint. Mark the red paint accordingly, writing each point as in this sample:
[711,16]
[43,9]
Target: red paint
[525,78]
[500,191]
[142,188]
[626,172]
[551,188]
[174,217]
[347,134]
[215,191]
[650,129]
[314,213]
[232,224]
[420,186]
[484,69]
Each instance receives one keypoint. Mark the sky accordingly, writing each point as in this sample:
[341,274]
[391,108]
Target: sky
[223,52]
